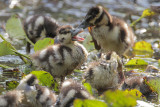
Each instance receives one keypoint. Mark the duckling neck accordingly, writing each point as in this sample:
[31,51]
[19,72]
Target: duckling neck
[69,43]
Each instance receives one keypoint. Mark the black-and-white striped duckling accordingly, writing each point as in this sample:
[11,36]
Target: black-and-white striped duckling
[34,94]
[45,97]
[21,95]
[35,25]
[109,33]
[70,91]
[61,59]
[28,94]
[105,74]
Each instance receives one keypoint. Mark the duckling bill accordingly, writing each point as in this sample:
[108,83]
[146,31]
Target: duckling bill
[61,59]
[108,32]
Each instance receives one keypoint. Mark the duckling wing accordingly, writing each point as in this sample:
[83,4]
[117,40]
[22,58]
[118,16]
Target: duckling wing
[94,40]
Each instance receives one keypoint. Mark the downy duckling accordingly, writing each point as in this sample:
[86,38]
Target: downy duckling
[39,96]
[105,74]
[20,96]
[11,99]
[109,33]
[35,25]
[70,91]
[45,97]
[27,83]
[140,83]
[28,94]
[61,59]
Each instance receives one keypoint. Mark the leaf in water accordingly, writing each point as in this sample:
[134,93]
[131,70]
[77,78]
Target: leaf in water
[41,44]
[14,28]
[5,48]
[11,85]
[154,84]
[88,88]
[147,12]
[46,79]
[136,62]
[119,99]
[88,103]
[143,46]
[134,92]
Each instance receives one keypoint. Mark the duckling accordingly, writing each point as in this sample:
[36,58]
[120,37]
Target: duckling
[61,59]
[27,86]
[11,99]
[70,91]
[37,95]
[28,82]
[105,74]
[108,32]
[36,24]
[45,97]
[28,94]
[139,83]
[21,95]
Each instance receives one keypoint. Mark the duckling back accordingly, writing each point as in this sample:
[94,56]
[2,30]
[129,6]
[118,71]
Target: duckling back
[38,26]
[105,74]
[70,91]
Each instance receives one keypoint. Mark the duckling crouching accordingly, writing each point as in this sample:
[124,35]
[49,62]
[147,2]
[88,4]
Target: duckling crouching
[28,94]
[11,99]
[70,91]
[104,75]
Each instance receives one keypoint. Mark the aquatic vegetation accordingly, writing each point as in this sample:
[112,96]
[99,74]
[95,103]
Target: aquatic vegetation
[142,54]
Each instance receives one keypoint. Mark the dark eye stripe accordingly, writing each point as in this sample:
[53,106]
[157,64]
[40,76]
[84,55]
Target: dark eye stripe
[89,18]
[64,32]
[99,19]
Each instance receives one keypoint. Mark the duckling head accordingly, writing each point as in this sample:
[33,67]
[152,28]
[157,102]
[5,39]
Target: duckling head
[95,16]
[27,83]
[66,36]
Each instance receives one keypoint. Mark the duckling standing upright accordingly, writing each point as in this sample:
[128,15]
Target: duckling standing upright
[36,24]
[109,33]
[61,59]
[104,75]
